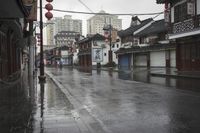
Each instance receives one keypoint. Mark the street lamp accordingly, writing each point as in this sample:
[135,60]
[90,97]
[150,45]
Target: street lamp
[108,35]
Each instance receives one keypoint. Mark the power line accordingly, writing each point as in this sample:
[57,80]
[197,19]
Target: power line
[157,15]
[85,6]
[118,14]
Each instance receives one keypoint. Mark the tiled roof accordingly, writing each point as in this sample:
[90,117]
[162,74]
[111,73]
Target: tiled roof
[160,1]
[130,30]
[163,1]
[93,37]
[155,28]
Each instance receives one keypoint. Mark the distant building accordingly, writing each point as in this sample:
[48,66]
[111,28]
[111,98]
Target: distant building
[66,41]
[94,49]
[59,24]
[96,23]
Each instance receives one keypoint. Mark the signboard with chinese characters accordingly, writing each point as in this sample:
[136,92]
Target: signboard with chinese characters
[31,6]
[97,55]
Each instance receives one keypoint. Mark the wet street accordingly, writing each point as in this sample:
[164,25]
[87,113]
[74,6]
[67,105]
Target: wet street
[103,102]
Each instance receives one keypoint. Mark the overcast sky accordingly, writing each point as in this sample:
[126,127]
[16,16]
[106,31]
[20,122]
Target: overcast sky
[110,6]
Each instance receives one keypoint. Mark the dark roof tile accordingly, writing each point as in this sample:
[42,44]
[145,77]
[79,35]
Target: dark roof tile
[130,30]
[155,28]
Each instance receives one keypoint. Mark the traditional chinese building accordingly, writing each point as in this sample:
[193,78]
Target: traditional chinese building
[14,57]
[183,19]
[92,50]
[144,44]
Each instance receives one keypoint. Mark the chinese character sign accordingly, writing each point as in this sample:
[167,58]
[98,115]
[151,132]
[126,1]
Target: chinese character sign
[97,55]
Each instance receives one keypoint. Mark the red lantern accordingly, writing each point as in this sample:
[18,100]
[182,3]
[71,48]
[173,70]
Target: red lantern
[49,15]
[49,7]
[49,0]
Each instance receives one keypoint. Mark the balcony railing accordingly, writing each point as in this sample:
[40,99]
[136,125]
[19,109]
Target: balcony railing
[186,25]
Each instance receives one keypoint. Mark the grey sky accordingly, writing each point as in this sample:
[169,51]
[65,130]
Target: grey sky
[110,6]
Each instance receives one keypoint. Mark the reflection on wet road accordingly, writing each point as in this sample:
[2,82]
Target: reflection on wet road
[108,104]
[178,83]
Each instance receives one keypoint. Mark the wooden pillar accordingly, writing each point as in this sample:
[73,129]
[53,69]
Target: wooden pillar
[148,59]
[167,58]
[178,57]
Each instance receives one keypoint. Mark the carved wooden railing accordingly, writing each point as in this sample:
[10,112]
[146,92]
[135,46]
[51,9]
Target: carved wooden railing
[183,26]
[186,25]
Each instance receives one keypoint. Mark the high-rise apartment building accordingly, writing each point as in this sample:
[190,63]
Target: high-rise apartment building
[96,23]
[59,24]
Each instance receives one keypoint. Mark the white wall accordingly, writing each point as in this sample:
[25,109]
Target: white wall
[105,50]
[198,6]
[172,15]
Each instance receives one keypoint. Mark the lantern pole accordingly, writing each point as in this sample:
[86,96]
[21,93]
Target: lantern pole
[42,76]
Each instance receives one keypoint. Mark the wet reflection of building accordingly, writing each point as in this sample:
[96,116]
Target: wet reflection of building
[141,76]
[124,75]
[86,70]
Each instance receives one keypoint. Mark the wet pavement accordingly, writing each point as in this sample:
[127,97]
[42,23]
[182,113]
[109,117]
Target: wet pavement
[53,112]
[101,102]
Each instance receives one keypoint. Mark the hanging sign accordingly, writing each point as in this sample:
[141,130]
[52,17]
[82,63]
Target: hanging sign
[31,7]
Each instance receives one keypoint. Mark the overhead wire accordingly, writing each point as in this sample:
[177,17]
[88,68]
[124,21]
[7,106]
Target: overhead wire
[85,6]
[118,14]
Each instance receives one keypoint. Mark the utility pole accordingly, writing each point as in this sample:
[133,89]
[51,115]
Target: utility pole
[108,35]
[42,76]
[110,51]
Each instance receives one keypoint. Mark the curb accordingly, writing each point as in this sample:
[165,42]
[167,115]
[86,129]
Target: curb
[83,126]
[174,76]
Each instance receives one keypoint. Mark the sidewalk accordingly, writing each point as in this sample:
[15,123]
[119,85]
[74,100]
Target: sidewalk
[53,112]
[172,72]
